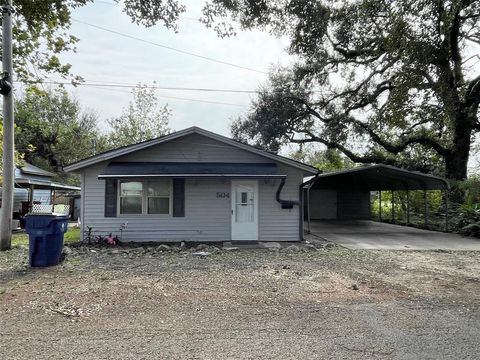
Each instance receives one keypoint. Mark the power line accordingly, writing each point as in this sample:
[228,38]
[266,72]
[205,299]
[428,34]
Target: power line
[109,87]
[180,98]
[169,47]
[113,84]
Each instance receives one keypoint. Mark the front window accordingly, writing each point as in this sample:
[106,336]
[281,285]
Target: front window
[145,197]
[158,197]
[131,197]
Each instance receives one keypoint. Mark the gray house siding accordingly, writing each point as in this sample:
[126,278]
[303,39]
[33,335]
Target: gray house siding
[194,148]
[207,218]
[275,223]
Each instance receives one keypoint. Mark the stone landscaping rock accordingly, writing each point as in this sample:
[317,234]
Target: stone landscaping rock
[163,247]
[175,248]
[201,253]
[230,248]
[309,247]
[329,245]
[271,245]
[67,250]
[292,248]
[183,246]
[202,247]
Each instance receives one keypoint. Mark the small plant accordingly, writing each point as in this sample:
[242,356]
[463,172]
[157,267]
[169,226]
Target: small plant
[91,239]
[466,219]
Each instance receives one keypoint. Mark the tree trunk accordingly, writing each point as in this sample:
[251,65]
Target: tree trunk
[457,160]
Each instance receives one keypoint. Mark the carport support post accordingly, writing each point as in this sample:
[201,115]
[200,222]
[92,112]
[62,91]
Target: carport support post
[53,200]
[308,208]
[408,207]
[30,199]
[380,205]
[393,206]
[446,209]
[425,213]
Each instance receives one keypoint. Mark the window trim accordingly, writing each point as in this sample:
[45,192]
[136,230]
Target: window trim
[144,198]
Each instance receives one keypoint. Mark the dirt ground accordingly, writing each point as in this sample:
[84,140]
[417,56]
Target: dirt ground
[143,303]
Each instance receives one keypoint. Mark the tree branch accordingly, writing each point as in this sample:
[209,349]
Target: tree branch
[365,159]
[472,96]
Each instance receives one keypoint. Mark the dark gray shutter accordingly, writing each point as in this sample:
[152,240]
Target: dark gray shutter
[178,197]
[111,198]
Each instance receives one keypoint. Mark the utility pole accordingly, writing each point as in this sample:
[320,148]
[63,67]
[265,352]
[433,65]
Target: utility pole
[6,89]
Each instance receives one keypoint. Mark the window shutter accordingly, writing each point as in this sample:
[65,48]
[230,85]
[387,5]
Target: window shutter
[178,197]
[111,198]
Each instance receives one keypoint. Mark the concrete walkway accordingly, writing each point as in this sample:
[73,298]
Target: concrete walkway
[364,234]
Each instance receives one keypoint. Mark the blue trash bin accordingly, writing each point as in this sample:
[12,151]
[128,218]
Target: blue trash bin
[45,233]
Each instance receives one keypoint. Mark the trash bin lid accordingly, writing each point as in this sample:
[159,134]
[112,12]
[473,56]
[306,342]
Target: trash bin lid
[47,214]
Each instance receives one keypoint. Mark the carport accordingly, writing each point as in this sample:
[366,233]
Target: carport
[345,195]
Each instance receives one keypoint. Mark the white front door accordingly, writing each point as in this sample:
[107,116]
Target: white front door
[244,209]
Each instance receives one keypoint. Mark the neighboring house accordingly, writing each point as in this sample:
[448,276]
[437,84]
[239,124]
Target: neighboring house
[35,186]
[192,185]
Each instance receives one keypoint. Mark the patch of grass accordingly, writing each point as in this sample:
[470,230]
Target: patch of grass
[19,238]
[71,236]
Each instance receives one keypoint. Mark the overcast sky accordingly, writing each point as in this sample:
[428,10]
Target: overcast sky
[103,56]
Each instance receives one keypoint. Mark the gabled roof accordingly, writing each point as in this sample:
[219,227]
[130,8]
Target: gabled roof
[33,170]
[108,155]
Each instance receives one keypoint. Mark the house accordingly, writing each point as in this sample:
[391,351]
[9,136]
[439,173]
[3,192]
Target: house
[192,185]
[35,191]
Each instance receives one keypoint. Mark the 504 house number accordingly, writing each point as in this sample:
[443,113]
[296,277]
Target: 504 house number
[223,195]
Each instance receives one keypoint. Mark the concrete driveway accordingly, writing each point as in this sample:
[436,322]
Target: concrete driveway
[365,234]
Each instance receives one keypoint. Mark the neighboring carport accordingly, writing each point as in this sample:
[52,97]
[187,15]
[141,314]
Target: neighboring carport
[345,195]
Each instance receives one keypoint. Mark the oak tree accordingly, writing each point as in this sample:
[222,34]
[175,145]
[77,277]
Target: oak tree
[383,81]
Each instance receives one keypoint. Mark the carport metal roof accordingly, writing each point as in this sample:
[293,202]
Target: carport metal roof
[379,177]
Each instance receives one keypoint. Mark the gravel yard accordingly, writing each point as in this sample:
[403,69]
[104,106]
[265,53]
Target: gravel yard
[298,303]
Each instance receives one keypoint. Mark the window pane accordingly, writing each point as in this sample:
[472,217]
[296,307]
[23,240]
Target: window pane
[158,205]
[131,188]
[159,188]
[131,205]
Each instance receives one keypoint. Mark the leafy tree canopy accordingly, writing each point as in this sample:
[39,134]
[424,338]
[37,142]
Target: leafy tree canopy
[326,160]
[52,130]
[40,31]
[385,81]
[142,120]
